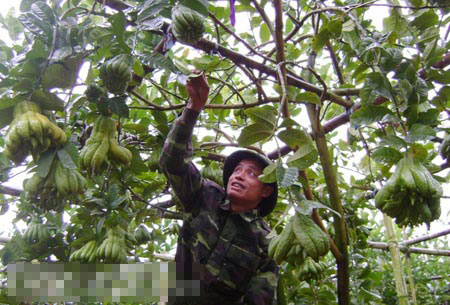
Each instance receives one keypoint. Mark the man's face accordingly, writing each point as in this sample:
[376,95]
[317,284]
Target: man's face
[244,188]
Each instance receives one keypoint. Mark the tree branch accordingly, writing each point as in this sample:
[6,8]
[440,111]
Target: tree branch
[245,43]
[114,4]
[425,237]
[7,190]
[293,80]
[345,117]
[264,17]
[281,67]
[405,249]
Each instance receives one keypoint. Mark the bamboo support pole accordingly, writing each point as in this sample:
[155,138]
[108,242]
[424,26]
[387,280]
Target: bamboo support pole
[412,287]
[400,284]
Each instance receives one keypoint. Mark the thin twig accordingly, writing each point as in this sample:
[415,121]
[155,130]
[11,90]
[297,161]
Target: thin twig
[245,43]
[264,17]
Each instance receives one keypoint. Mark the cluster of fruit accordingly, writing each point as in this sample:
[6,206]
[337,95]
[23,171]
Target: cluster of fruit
[31,131]
[187,24]
[86,254]
[60,181]
[115,75]
[102,146]
[142,235]
[113,249]
[411,195]
[311,269]
[301,238]
[36,231]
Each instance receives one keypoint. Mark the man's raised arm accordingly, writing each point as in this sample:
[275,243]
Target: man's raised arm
[175,159]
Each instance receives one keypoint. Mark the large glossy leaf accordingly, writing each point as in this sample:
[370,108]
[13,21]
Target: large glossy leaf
[200,6]
[295,137]
[269,174]
[305,156]
[387,155]
[419,132]
[425,20]
[254,133]
[157,60]
[263,115]
[151,9]
[119,22]
[43,11]
[45,162]
[66,159]
[376,85]
[368,114]
[264,33]
[119,106]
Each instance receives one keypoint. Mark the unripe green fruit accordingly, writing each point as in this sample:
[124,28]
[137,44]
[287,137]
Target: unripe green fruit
[93,93]
[115,75]
[187,24]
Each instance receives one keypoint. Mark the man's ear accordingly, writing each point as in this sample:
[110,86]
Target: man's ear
[267,191]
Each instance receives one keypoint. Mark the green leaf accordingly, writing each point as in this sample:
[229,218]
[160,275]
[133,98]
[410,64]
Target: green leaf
[368,114]
[264,33]
[200,6]
[304,157]
[36,25]
[160,117]
[72,150]
[159,61]
[320,40]
[294,137]
[393,141]
[425,20]
[6,102]
[387,155]
[43,11]
[113,205]
[334,27]
[6,116]
[395,23]
[288,176]
[152,9]
[66,159]
[376,84]
[138,128]
[269,174]
[419,132]
[309,97]
[119,22]
[264,115]
[288,123]
[118,106]
[45,162]
[254,133]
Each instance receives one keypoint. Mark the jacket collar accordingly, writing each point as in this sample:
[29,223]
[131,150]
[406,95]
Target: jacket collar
[248,216]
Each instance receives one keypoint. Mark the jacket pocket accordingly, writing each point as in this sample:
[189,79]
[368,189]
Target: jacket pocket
[239,266]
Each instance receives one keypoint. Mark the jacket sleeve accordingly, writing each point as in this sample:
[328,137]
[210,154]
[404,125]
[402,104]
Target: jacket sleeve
[175,160]
[263,285]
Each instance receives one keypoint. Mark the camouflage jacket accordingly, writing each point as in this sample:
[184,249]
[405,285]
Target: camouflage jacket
[232,247]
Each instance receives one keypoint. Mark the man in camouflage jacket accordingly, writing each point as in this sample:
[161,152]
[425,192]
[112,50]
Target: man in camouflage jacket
[223,229]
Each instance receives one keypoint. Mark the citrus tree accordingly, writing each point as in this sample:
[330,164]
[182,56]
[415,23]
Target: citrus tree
[89,89]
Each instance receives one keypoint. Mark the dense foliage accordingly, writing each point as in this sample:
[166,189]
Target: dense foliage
[288,78]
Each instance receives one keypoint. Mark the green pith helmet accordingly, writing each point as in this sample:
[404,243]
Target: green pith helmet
[266,205]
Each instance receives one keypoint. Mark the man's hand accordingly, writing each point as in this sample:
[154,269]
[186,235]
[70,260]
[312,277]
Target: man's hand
[198,90]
